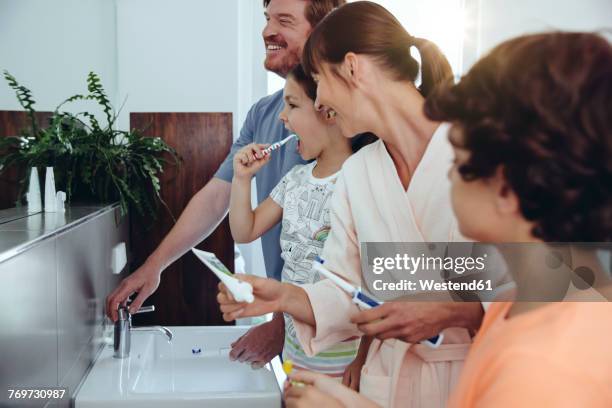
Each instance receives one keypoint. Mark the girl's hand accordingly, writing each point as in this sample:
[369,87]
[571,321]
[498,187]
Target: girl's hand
[352,373]
[319,390]
[268,297]
[249,159]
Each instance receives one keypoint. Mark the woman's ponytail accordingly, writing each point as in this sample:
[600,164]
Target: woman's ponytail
[435,68]
[367,28]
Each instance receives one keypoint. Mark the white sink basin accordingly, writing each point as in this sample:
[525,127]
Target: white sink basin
[193,370]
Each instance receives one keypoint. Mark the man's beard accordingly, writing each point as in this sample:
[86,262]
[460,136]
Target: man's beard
[290,61]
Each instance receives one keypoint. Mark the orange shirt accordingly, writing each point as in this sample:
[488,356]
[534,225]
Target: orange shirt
[559,355]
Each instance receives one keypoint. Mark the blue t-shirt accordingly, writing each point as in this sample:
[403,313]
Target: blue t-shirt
[262,125]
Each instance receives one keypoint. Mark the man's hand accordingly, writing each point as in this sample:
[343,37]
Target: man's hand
[413,322]
[144,280]
[261,343]
[319,390]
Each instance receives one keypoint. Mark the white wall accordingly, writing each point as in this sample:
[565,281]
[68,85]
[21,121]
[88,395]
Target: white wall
[252,86]
[466,29]
[50,47]
[489,22]
[188,56]
[253,79]
[179,56]
[192,56]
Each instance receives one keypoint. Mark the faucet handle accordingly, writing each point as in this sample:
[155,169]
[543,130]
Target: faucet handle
[145,309]
[124,311]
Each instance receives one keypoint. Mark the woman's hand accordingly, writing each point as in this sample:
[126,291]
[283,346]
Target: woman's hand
[268,295]
[319,390]
[249,159]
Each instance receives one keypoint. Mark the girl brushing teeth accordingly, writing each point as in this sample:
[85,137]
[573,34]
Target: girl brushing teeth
[301,201]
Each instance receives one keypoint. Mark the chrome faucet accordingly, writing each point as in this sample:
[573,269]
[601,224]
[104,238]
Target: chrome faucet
[124,329]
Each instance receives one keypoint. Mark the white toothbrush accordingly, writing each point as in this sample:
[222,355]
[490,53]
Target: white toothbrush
[361,299]
[276,145]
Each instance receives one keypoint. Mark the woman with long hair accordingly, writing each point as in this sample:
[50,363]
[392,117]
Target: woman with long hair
[394,190]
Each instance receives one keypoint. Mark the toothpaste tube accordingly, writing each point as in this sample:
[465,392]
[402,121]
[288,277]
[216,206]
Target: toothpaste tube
[241,291]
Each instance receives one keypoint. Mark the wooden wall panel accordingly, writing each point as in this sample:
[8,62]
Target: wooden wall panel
[187,292]
[12,123]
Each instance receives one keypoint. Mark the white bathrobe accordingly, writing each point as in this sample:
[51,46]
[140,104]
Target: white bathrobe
[371,205]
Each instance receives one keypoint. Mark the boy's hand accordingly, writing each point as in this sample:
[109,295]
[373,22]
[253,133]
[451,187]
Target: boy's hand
[249,159]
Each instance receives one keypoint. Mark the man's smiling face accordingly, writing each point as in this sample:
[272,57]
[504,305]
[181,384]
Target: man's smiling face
[285,33]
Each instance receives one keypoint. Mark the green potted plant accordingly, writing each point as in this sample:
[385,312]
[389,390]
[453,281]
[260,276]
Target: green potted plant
[94,163]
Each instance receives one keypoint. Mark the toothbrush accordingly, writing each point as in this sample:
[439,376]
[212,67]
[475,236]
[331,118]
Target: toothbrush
[276,145]
[361,299]
[241,291]
[288,368]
